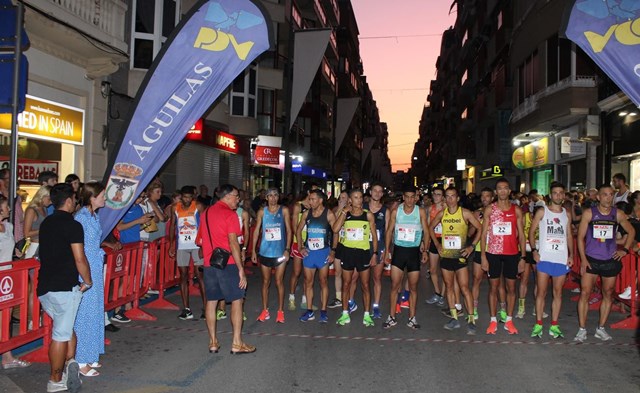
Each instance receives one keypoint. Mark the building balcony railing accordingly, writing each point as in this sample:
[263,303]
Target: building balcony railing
[530,104]
[320,12]
[328,73]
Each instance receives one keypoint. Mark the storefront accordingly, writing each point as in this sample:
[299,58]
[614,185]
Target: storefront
[207,156]
[571,159]
[536,160]
[51,137]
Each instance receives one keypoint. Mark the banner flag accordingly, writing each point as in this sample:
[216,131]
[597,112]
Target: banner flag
[366,148]
[308,48]
[346,109]
[212,45]
[609,32]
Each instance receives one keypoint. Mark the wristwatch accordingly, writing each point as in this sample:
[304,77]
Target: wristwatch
[375,252]
[625,249]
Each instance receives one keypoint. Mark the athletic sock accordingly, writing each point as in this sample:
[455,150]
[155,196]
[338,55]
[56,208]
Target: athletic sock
[521,302]
[366,314]
[339,295]
[304,299]
[292,296]
[553,323]
[493,319]
[454,313]
[539,322]
[503,306]
[345,312]
[475,304]
[458,307]
[376,305]
[509,318]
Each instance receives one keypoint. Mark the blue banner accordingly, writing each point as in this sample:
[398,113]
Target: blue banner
[212,45]
[609,32]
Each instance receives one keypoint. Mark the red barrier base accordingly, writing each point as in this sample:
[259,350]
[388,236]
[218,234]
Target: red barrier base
[162,304]
[138,315]
[633,322]
[40,355]
[570,284]
[194,290]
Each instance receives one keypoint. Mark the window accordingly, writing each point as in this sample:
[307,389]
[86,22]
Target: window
[244,92]
[153,21]
[558,59]
[499,22]
[491,140]
[528,75]
[265,111]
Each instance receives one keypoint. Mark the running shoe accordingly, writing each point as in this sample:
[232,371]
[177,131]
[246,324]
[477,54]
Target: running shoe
[520,313]
[367,321]
[433,299]
[413,324]
[221,314]
[440,301]
[581,336]
[602,334]
[335,303]
[292,304]
[308,316]
[404,304]
[493,327]
[343,320]
[323,317]
[353,306]
[475,314]
[389,323]
[280,317]
[376,313]
[471,329]
[510,327]
[502,316]
[537,331]
[452,324]
[555,332]
[264,316]
[122,318]
[186,314]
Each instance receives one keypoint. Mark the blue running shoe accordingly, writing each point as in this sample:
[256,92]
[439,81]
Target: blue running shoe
[323,317]
[376,313]
[352,306]
[307,316]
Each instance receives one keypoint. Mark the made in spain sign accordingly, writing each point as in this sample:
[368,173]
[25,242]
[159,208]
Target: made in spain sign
[48,120]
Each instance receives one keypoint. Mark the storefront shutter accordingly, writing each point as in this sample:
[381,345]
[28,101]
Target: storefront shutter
[236,169]
[198,164]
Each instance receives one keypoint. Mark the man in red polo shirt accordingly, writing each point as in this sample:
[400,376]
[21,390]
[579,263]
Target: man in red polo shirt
[221,228]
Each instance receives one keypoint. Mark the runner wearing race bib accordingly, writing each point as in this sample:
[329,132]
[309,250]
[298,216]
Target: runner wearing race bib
[318,251]
[530,262]
[503,252]
[554,257]
[452,247]
[434,258]
[343,202]
[301,206]
[273,227]
[599,257]
[407,228]
[379,212]
[186,221]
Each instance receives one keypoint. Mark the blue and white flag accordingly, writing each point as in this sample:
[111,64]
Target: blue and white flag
[609,32]
[212,45]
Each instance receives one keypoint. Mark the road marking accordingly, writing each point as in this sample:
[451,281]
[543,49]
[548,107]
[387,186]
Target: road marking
[386,339]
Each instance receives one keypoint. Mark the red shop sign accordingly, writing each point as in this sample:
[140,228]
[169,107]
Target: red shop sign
[267,155]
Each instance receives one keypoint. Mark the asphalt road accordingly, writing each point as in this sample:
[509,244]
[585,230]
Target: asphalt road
[170,355]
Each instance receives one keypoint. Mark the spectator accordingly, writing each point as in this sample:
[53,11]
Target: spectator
[220,228]
[62,258]
[259,200]
[591,199]
[7,249]
[619,182]
[90,319]
[18,219]
[34,215]
[151,205]
[48,178]
[204,197]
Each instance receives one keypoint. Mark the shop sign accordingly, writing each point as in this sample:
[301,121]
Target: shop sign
[28,171]
[226,142]
[531,155]
[195,132]
[495,171]
[267,155]
[48,120]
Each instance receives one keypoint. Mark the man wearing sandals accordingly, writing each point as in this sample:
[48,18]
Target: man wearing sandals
[221,228]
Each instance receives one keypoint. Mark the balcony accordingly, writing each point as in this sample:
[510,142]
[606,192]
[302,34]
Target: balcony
[334,11]
[328,73]
[99,48]
[558,105]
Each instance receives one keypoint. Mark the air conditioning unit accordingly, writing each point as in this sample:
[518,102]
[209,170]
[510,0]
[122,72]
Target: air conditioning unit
[589,128]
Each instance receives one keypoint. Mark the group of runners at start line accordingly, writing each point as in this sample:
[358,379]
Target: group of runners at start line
[501,241]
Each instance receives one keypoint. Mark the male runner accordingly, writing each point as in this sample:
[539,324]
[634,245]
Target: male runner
[599,257]
[407,229]
[379,211]
[503,252]
[273,226]
[317,250]
[451,245]
[434,258]
[554,258]
[357,253]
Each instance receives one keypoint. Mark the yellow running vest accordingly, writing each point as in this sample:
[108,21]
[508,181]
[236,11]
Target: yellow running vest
[454,233]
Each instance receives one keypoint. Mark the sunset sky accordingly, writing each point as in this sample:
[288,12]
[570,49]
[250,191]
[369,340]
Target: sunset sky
[399,69]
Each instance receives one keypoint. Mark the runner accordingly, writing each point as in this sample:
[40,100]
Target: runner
[318,251]
[502,237]
[273,225]
[407,226]
[486,198]
[436,207]
[298,209]
[530,262]
[357,253]
[343,201]
[451,245]
[379,211]
[554,258]
[185,217]
[599,257]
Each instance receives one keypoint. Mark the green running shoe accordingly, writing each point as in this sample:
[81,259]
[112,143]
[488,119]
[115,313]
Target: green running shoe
[555,332]
[537,331]
[344,319]
[475,314]
[502,316]
[220,314]
[367,321]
